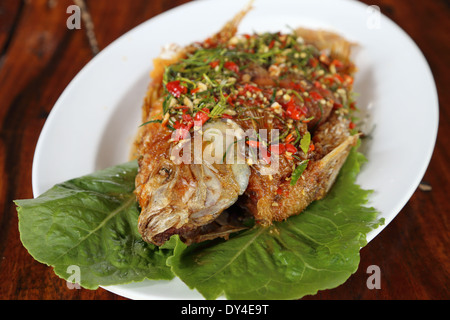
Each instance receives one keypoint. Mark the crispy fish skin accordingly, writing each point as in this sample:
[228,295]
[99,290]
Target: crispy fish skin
[272,198]
[190,199]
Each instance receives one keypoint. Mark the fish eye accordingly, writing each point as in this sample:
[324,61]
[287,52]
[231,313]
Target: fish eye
[165,172]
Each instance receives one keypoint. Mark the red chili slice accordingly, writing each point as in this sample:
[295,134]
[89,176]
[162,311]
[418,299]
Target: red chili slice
[249,87]
[231,66]
[189,121]
[202,115]
[195,90]
[214,64]
[316,96]
[290,148]
[337,63]
[253,143]
[271,44]
[337,105]
[294,111]
[176,89]
[277,148]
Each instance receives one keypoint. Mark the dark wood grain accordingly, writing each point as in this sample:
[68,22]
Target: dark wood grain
[40,56]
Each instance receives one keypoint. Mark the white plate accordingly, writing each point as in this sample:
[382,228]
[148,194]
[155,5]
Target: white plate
[94,121]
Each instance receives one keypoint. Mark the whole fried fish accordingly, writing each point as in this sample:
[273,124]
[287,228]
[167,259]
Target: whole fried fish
[260,120]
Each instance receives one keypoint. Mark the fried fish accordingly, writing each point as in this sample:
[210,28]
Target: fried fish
[258,121]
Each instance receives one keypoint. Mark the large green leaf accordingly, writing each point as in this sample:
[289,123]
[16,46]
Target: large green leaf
[316,250]
[89,224]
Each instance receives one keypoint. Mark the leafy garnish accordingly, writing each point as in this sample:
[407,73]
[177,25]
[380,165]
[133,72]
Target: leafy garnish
[90,223]
[305,142]
[298,171]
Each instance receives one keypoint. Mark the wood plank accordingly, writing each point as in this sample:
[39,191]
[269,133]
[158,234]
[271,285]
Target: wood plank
[42,58]
[112,21]
[10,12]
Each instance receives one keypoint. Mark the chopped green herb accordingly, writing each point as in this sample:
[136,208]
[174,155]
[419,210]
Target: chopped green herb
[166,103]
[151,121]
[298,171]
[217,111]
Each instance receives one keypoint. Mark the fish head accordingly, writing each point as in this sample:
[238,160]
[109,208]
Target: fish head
[182,198]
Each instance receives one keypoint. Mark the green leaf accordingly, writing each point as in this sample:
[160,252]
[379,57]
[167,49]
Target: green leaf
[305,142]
[315,250]
[298,171]
[91,223]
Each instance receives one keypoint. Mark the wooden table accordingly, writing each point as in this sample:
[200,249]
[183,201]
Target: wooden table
[40,56]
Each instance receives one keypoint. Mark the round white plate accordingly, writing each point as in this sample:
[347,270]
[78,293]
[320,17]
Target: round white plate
[94,121]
